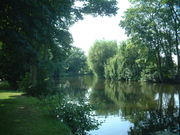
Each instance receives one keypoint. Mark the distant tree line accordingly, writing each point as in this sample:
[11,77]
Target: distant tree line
[154,30]
[75,63]
[128,61]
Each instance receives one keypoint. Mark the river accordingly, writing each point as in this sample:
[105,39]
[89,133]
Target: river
[129,108]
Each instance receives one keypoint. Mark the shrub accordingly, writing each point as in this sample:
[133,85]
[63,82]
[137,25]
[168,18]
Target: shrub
[77,115]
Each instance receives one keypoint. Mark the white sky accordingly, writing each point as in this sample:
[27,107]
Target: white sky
[85,32]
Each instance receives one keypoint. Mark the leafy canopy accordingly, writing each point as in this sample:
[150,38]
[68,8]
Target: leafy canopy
[98,55]
[34,35]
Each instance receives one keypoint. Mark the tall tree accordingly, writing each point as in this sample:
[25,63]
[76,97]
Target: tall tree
[37,32]
[151,23]
[98,55]
[128,63]
[76,62]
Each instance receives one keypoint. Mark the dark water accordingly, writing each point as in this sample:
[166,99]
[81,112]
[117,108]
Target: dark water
[129,108]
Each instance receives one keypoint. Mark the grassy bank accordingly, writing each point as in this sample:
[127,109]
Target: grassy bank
[22,115]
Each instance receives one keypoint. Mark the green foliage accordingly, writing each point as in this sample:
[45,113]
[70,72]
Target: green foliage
[13,63]
[127,64]
[77,115]
[150,73]
[4,85]
[134,61]
[155,24]
[33,32]
[43,84]
[98,55]
[76,63]
[110,68]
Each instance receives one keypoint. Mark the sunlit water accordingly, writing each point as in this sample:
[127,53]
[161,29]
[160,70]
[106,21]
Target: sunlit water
[129,108]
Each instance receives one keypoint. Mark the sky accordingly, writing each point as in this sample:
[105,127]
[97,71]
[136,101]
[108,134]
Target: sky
[90,29]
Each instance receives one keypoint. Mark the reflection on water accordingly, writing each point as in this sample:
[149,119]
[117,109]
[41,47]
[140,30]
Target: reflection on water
[129,108]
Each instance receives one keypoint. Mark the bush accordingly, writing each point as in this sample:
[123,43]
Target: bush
[4,85]
[43,86]
[150,73]
[40,83]
[77,115]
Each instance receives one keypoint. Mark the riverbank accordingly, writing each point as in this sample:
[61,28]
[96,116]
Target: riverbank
[22,115]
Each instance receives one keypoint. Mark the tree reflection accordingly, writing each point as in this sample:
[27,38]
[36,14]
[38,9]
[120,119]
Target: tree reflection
[130,97]
[76,87]
[149,107]
[104,105]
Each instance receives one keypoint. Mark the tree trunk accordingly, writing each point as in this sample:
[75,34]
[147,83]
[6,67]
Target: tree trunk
[176,24]
[159,66]
[33,75]
[178,56]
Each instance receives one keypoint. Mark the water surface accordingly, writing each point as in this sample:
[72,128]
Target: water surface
[129,108]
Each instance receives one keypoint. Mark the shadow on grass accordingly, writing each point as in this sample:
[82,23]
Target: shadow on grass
[6,116]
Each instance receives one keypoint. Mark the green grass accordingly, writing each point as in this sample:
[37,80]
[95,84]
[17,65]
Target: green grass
[9,94]
[22,115]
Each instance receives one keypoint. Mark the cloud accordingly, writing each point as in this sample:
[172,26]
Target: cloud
[86,31]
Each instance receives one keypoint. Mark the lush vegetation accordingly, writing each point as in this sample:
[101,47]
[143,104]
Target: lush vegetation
[98,55]
[77,115]
[35,50]
[75,63]
[153,27]
[126,64]
[34,39]
[154,24]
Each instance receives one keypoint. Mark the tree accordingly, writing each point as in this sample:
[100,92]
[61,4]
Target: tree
[128,63]
[151,23]
[36,31]
[76,62]
[13,63]
[173,10]
[98,55]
